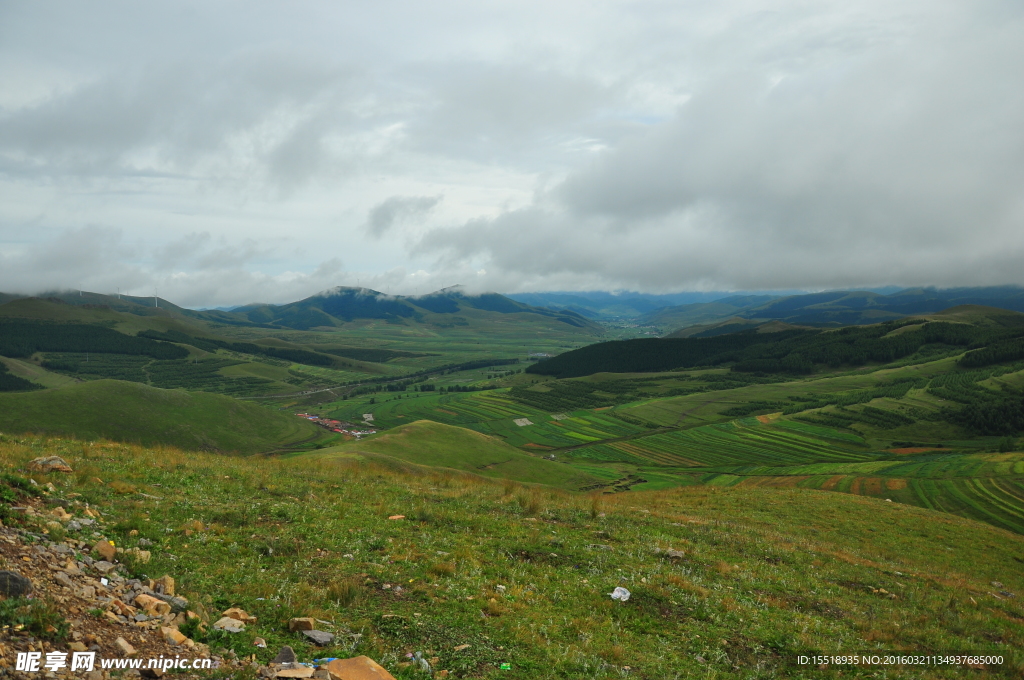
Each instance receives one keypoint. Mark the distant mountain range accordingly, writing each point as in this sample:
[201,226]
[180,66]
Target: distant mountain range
[446,308]
[699,313]
[834,308]
[607,305]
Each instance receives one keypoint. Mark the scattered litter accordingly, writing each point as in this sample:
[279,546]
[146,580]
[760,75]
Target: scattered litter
[500,589]
[260,642]
[620,594]
[459,648]
[522,422]
[505,666]
[421,662]
[397,517]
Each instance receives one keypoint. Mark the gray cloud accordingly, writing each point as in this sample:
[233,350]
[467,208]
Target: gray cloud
[871,170]
[386,214]
[232,156]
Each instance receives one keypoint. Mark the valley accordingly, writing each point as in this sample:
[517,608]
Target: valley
[744,482]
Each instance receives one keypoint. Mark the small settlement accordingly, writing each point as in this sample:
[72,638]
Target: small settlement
[339,426]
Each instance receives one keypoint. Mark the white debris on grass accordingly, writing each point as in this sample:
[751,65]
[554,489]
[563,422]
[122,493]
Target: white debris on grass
[620,594]
[522,422]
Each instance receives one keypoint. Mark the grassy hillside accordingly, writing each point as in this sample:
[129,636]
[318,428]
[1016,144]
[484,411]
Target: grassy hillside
[437,445]
[483,574]
[131,412]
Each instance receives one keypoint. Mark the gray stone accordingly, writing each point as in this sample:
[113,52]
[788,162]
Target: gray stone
[63,579]
[140,617]
[104,567]
[178,604]
[319,637]
[49,464]
[286,655]
[145,542]
[74,525]
[13,584]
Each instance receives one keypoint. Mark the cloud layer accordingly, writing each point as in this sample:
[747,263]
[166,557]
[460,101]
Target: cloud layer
[227,155]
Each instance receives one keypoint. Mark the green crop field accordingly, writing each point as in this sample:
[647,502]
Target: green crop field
[743,441]
[986,487]
[437,445]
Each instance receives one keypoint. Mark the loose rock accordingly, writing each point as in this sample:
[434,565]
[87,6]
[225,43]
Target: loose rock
[123,646]
[104,567]
[300,624]
[319,637]
[285,655]
[49,464]
[13,584]
[229,624]
[163,585]
[239,614]
[173,635]
[358,668]
[106,549]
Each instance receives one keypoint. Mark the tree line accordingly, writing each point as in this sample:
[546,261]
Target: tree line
[25,338]
[786,352]
[298,356]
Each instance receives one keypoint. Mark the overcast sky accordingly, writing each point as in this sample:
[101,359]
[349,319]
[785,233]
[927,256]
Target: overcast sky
[233,152]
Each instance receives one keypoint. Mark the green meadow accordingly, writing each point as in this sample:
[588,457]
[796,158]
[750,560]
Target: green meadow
[497,579]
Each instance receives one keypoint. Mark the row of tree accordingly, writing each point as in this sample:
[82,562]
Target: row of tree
[787,352]
[25,338]
[298,356]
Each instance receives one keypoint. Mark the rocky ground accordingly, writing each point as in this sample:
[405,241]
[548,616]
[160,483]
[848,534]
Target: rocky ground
[84,585]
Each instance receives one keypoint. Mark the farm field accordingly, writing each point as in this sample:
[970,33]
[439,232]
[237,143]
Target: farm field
[741,441]
[491,413]
[436,445]
[988,487]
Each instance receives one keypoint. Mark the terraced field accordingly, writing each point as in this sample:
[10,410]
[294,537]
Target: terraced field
[490,413]
[739,442]
[988,487]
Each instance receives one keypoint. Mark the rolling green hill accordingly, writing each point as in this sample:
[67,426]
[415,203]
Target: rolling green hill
[130,412]
[437,445]
[795,351]
[497,580]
